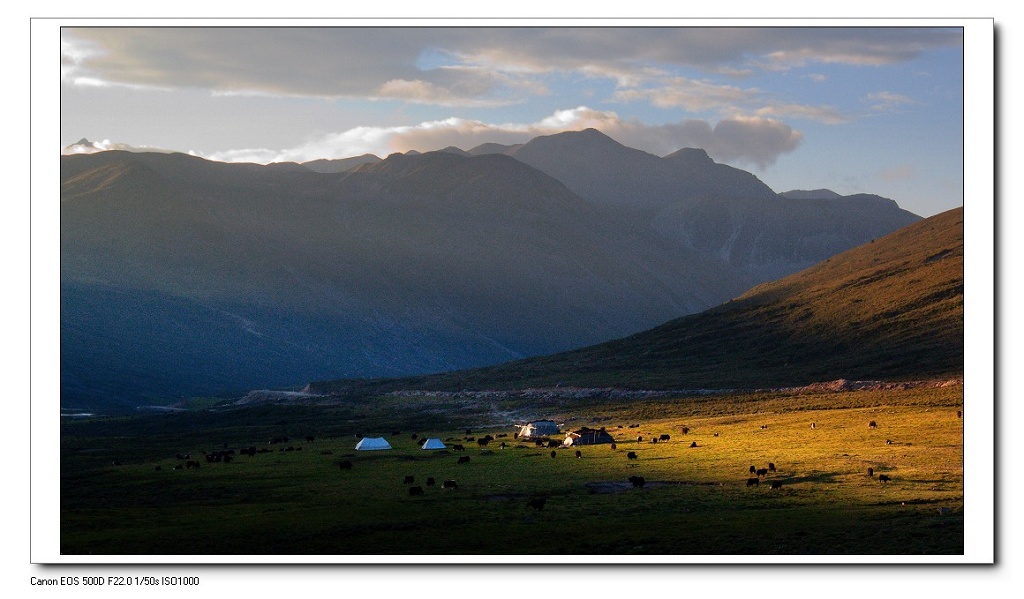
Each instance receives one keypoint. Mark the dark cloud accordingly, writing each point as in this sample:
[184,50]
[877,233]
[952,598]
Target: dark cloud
[362,61]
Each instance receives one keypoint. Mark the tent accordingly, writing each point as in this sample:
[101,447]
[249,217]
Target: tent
[538,428]
[587,436]
[434,444]
[373,443]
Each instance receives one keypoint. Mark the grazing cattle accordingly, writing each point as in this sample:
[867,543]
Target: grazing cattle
[762,472]
[538,442]
[458,447]
[888,441]
[716,434]
[115,463]
[686,430]
[692,445]
[871,472]
[553,444]
[464,459]
[654,439]
[613,446]
[753,482]
[664,437]
[430,481]
[812,425]
[449,485]
[776,484]
[637,481]
[882,478]
[415,490]
[346,465]
[554,453]
[408,480]
[469,431]
[753,469]
[502,446]
[310,438]
[158,468]
[639,439]
[178,467]
[538,503]
[467,439]
[631,455]
[502,435]
[483,441]
[771,467]
[872,424]
[959,414]
[764,427]
[579,455]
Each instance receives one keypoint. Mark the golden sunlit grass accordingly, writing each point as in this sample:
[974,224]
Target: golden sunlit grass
[695,500]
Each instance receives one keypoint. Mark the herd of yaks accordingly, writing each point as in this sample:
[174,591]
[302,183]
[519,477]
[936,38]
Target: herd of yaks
[225,455]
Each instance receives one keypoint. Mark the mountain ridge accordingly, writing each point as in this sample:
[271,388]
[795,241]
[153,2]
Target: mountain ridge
[420,262]
[890,310]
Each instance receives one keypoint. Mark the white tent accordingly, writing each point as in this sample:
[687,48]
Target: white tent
[373,443]
[434,444]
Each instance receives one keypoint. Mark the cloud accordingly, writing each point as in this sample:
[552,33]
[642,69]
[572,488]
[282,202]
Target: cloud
[822,114]
[91,147]
[888,101]
[689,94]
[752,140]
[458,65]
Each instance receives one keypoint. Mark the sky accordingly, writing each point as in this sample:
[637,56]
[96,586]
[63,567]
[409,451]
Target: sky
[852,109]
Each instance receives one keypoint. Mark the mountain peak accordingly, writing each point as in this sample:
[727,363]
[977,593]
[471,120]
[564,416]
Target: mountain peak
[695,156]
[813,194]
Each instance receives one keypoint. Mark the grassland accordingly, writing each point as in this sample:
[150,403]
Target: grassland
[695,500]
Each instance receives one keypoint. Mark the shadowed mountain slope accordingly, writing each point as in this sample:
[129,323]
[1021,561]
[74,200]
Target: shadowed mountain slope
[719,211]
[182,276]
[891,309]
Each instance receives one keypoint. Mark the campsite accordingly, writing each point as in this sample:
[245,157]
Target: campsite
[125,488]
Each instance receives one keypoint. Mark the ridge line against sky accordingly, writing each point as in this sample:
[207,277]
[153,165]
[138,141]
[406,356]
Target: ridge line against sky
[853,109]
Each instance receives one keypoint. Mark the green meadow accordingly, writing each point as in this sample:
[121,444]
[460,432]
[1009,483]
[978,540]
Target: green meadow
[695,500]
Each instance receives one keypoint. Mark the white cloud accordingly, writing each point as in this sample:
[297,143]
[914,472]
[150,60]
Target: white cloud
[105,145]
[744,139]
[822,114]
[888,101]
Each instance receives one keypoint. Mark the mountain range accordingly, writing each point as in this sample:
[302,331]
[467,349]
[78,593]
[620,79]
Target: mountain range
[182,276]
[888,310]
